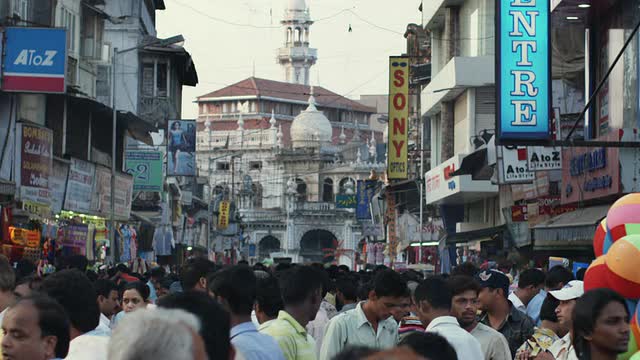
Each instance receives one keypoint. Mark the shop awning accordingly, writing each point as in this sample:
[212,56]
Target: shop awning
[570,229]
[7,187]
[481,235]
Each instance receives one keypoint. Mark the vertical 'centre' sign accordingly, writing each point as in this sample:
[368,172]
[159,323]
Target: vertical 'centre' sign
[524,70]
[398,117]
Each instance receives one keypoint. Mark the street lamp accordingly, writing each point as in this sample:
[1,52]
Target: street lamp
[157,42]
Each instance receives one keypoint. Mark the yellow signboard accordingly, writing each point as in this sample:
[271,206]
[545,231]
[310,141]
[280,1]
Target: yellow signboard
[398,117]
[223,215]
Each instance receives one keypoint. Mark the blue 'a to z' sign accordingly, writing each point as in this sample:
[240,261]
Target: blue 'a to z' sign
[35,60]
[523,70]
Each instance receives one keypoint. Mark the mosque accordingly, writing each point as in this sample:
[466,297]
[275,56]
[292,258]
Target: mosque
[282,152]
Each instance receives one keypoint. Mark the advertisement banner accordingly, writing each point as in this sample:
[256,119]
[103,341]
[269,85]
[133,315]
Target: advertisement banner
[544,158]
[519,213]
[181,148]
[590,173]
[35,60]
[513,167]
[523,71]
[223,215]
[34,161]
[146,168]
[23,237]
[76,236]
[58,185]
[80,186]
[102,194]
[346,202]
[364,193]
[398,117]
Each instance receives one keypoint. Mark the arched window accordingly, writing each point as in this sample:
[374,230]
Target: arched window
[298,35]
[327,190]
[347,186]
[301,189]
[289,33]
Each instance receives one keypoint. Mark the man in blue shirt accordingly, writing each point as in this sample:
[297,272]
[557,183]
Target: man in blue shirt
[235,290]
[556,279]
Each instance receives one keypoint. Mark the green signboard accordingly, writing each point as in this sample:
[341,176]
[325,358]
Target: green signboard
[346,201]
[146,168]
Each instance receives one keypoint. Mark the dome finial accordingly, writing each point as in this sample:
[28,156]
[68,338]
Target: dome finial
[312,101]
[342,137]
[272,121]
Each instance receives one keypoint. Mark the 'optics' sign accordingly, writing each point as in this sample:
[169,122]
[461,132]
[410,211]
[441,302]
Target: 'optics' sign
[398,117]
[523,70]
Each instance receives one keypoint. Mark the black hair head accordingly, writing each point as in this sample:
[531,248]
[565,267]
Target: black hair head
[195,269]
[268,296]
[104,287]
[531,277]
[52,320]
[138,286]
[213,318]
[435,291]
[585,314]
[299,283]
[236,285]
[430,346]
[389,283]
[548,309]
[75,293]
[557,276]
[461,283]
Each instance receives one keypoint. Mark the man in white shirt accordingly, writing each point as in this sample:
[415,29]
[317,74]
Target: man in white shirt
[108,302]
[529,285]
[464,306]
[433,303]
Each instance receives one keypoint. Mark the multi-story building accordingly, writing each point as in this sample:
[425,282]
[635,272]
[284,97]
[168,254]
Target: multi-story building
[459,103]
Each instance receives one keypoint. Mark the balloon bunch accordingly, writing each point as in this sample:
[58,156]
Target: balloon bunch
[616,244]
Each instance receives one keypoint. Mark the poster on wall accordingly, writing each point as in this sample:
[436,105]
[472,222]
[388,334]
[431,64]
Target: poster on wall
[102,194]
[34,161]
[58,185]
[181,148]
[79,186]
[146,168]
[523,71]
[364,194]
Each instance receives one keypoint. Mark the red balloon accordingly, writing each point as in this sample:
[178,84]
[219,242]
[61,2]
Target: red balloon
[599,238]
[596,275]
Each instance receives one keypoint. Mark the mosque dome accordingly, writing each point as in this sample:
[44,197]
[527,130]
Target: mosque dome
[311,128]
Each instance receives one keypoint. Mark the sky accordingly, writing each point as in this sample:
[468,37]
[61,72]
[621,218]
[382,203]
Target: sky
[229,38]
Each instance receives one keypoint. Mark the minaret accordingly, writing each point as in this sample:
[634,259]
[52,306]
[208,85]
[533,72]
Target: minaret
[296,57]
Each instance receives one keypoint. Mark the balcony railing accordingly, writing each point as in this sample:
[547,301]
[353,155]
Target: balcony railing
[316,206]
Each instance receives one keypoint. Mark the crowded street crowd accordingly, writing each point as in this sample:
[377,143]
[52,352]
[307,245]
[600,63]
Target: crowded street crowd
[304,312]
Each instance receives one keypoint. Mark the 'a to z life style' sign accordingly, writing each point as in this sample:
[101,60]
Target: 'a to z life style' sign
[34,161]
[524,70]
[35,60]
[398,117]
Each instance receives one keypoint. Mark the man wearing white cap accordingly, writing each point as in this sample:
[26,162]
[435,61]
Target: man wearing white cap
[563,349]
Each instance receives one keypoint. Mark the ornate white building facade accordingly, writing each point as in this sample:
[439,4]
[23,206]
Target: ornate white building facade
[283,172]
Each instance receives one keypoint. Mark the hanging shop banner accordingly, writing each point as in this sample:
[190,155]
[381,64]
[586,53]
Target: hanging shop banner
[35,60]
[76,236]
[513,167]
[223,215]
[543,158]
[181,148]
[398,117]
[146,168]
[523,71]
[590,173]
[346,202]
[23,237]
[34,161]
[79,186]
[392,235]
[58,185]
[102,194]
[364,194]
